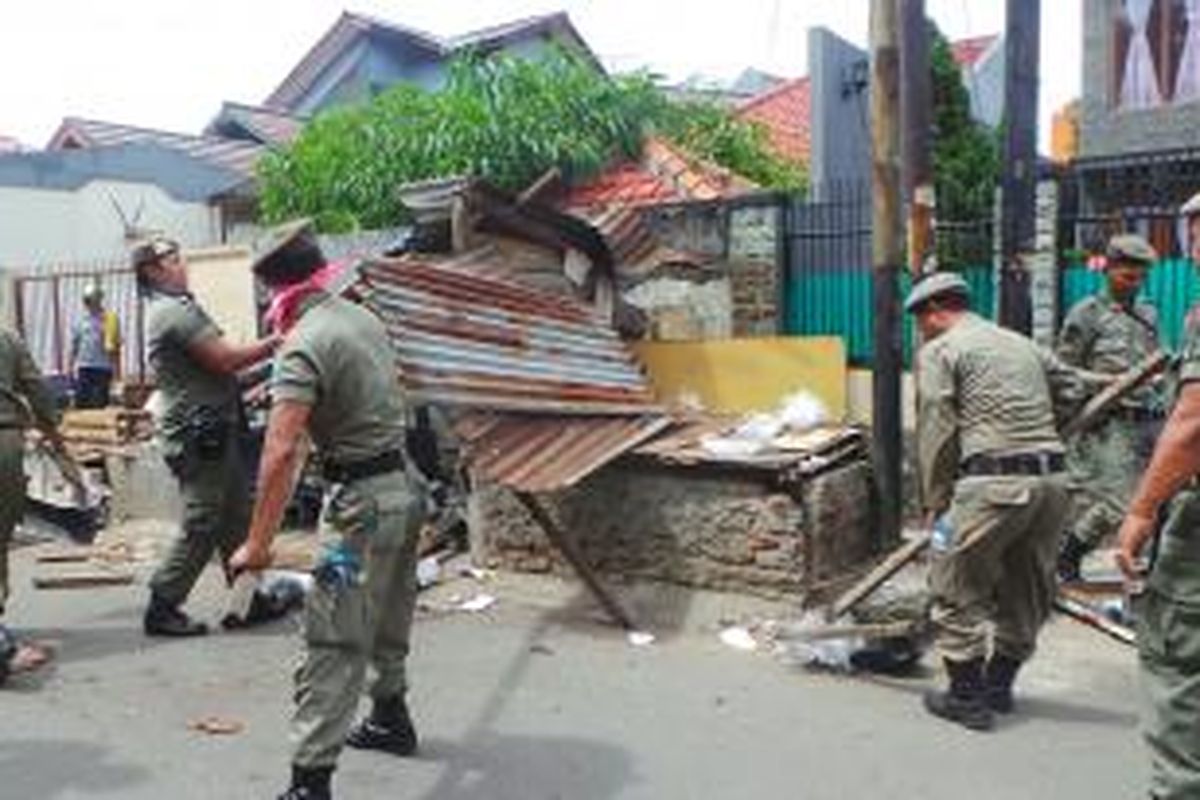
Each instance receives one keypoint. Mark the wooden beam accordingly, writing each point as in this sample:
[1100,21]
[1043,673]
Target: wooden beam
[876,577]
[1110,395]
[560,539]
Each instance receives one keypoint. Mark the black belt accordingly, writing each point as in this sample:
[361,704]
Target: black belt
[1137,414]
[391,461]
[1020,464]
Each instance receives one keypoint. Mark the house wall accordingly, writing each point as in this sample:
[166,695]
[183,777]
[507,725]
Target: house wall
[53,227]
[985,85]
[1108,130]
[840,131]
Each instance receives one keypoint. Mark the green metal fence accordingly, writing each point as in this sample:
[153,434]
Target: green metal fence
[837,302]
[1172,287]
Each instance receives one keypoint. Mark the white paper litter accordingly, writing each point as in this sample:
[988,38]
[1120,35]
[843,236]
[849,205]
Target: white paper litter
[759,433]
[641,638]
[480,602]
[738,638]
[429,570]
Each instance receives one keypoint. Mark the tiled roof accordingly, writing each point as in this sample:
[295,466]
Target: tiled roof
[785,111]
[266,125]
[350,28]
[664,174]
[239,157]
[967,52]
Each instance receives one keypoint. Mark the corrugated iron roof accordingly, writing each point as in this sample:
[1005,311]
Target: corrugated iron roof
[481,342]
[547,453]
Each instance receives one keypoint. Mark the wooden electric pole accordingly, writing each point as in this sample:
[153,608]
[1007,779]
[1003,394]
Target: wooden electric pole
[916,81]
[1018,184]
[887,249]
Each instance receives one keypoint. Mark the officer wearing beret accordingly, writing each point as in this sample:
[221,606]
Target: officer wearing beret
[335,379]
[201,428]
[1111,332]
[992,467]
[1168,610]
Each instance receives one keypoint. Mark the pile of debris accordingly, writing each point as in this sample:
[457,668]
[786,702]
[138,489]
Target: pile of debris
[92,434]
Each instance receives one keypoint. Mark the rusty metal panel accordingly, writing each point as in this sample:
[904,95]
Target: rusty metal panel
[547,453]
[470,340]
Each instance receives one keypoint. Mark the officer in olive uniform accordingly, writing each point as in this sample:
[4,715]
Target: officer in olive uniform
[1168,609]
[335,378]
[21,392]
[1111,332]
[991,459]
[201,428]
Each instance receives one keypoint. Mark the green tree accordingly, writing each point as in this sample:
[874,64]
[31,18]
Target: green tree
[966,159]
[503,119]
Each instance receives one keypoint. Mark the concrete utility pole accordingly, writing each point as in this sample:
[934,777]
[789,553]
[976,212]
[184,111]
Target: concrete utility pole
[1018,185]
[916,81]
[887,247]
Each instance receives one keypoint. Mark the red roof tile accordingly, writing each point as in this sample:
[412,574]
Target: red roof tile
[967,52]
[665,174]
[785,112]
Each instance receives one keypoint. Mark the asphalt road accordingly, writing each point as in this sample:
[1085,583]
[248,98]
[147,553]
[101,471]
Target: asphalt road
[536,699]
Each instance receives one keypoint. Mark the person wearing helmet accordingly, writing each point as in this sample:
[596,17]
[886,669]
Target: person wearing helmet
[202,426]
[95,348]
[1111,332]
[1167,583]
[993,468]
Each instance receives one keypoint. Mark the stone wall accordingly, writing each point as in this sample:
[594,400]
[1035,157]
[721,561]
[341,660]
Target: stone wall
[742,239]
[691,526]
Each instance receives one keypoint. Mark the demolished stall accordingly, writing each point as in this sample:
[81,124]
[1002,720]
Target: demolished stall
[575,461]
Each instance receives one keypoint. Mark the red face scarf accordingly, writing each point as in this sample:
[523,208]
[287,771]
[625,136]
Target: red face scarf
[285,303]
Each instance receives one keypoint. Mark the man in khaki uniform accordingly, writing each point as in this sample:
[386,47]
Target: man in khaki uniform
[335,378]
[201,428]
[22,392]
[991,458]
[1168,610]
[1111,332]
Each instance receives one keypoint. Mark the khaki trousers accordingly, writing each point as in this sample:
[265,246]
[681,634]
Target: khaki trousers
[999,572]
[365,622]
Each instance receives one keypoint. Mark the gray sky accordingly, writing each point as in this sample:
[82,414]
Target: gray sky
[169,63]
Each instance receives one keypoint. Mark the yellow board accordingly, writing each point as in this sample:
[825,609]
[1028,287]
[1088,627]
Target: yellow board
[744,375]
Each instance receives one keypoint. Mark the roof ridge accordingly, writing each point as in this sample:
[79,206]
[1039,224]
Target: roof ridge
[261,109]
[155,131]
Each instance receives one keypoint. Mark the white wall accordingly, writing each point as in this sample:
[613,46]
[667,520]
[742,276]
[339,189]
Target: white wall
[48,227]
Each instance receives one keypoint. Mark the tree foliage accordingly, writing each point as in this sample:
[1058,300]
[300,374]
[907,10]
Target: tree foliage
[966,158]
[500,118]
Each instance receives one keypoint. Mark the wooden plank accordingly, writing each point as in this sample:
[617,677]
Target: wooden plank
[1110,395]
[559,538]
[876,577]
[871,630]
[82,580]
[1090,616]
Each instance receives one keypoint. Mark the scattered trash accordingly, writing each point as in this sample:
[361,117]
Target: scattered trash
[641,638]
[541,650]
[476,573]
[739,638]
[782,429]
[429,571]
[217,726]
[827,653]
[480,602]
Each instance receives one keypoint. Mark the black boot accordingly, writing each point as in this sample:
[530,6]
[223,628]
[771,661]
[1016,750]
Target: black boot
[389,728]
[964,701]
[1070,556]
[309,783]
[164,619]
[998,680]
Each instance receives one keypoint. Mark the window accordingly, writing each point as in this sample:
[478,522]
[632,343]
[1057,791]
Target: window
[1155,46]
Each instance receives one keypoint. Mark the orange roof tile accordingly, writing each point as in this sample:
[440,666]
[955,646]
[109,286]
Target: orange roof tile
[665,174]
[785,112]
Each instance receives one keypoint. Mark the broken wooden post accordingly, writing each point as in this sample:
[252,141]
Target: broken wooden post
[559,538]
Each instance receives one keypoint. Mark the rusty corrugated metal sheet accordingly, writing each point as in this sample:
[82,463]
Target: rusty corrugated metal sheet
[468,340]
[547,453]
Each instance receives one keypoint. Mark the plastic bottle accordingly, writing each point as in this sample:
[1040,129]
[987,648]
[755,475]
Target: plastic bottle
[942,540]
